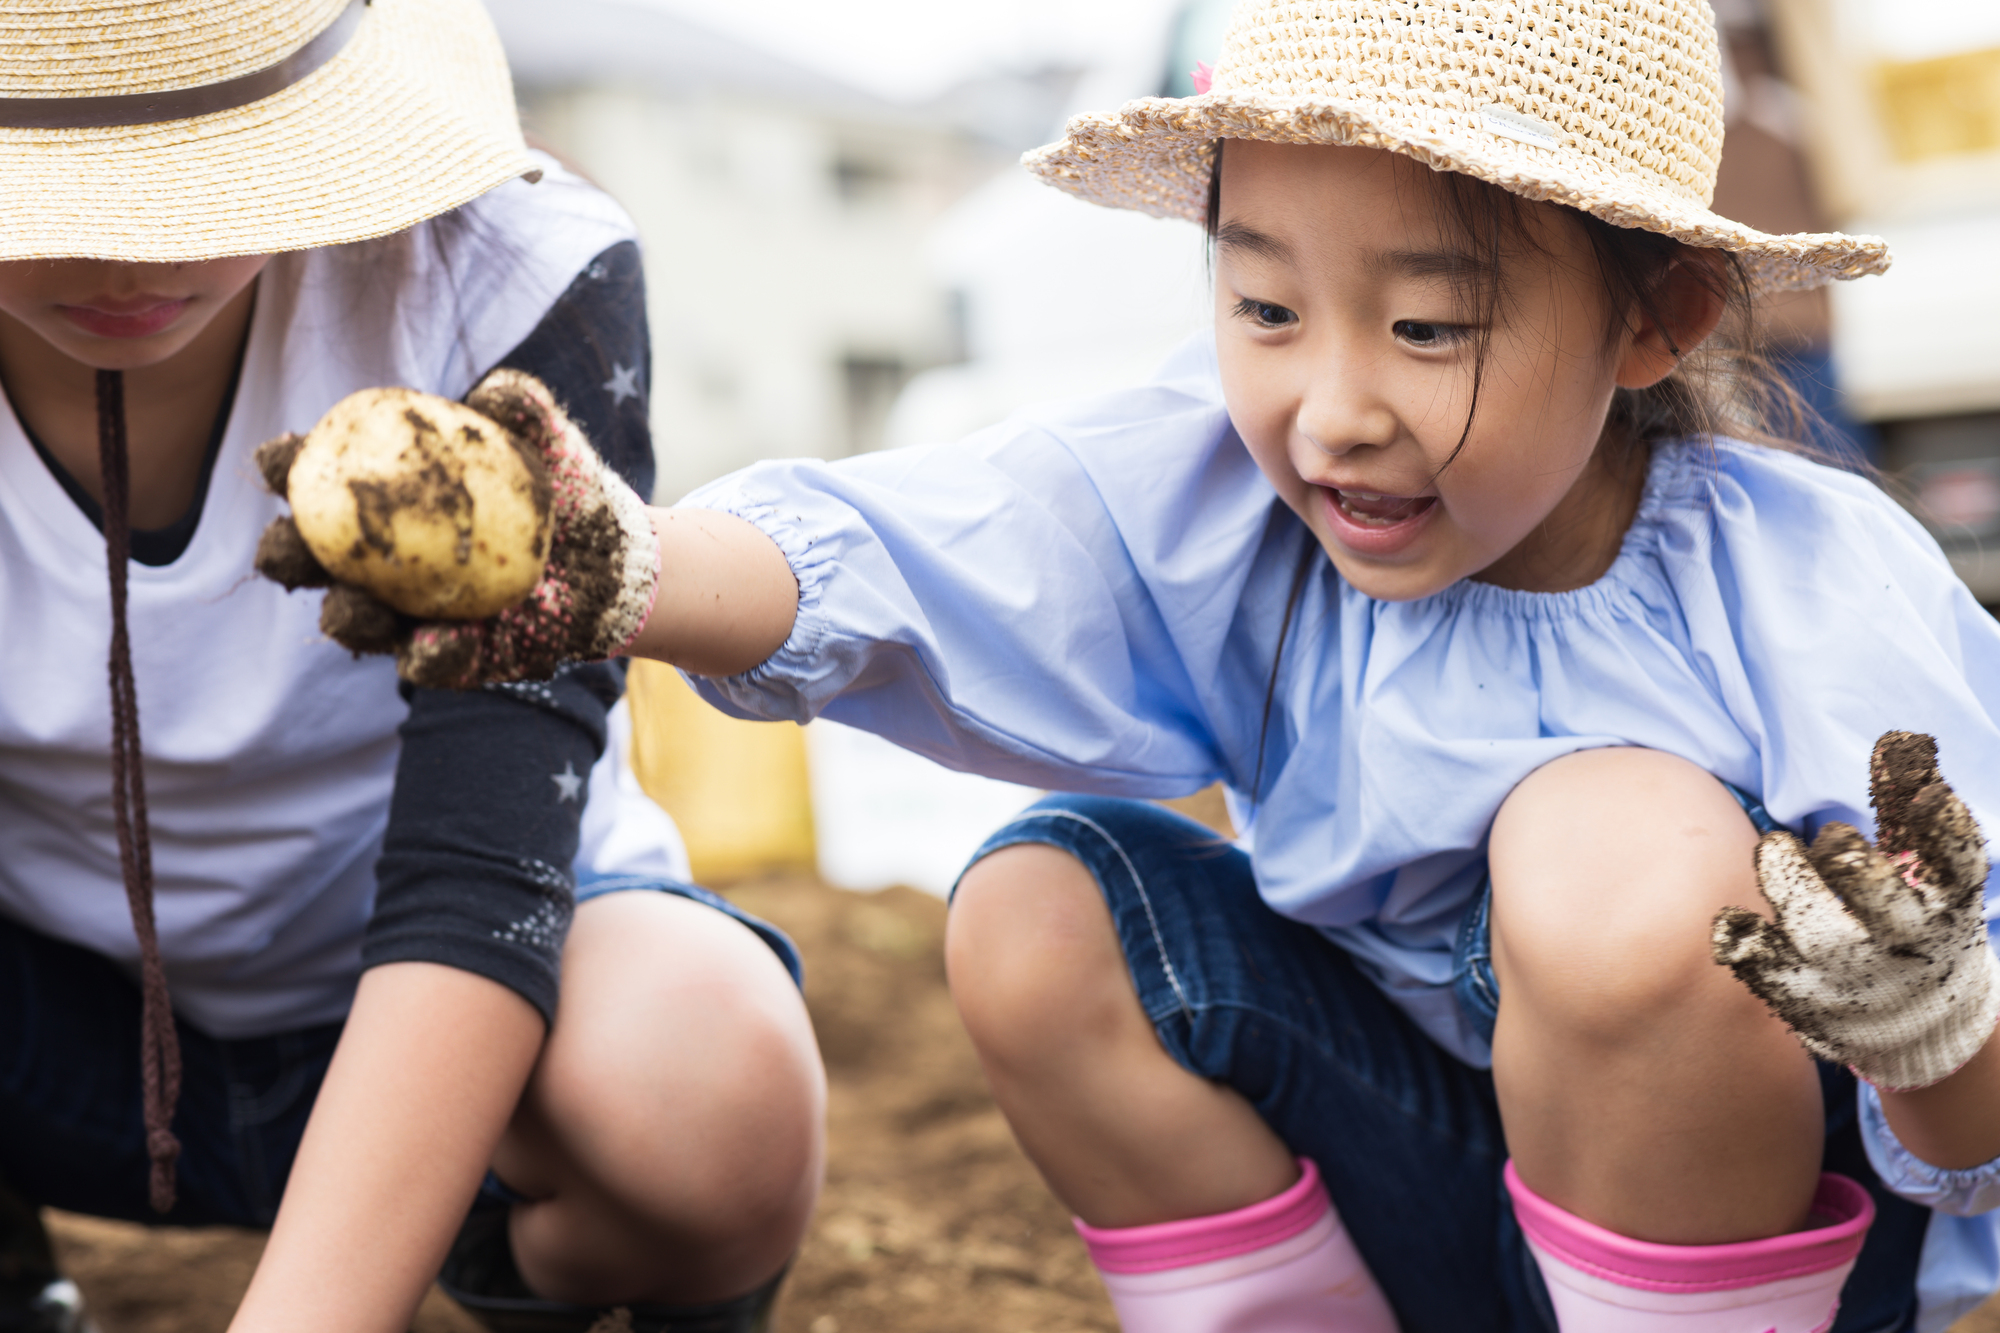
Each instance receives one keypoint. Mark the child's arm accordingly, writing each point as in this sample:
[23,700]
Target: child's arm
[1955,1122]
[1879,958]
[412,1111]
[980,604]
[426,1077]
[729,600]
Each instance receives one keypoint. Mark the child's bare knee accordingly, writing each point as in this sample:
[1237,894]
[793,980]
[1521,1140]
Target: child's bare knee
[1607,867]
[1033,959]
[613,1072]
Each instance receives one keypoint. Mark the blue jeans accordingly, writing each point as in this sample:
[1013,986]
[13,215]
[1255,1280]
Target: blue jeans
[71,1130]
[1407,1136]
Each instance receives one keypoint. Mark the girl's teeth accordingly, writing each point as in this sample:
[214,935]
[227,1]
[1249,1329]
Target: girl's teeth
[1397,508]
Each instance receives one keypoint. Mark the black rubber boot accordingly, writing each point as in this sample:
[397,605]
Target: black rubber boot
[480,1275]
[34,1296]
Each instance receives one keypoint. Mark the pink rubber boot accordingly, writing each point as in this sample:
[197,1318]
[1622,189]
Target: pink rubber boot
[1602,1282]
[1281,1266]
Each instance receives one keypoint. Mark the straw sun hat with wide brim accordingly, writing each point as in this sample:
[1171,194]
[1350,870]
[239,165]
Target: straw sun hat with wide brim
[1610,106]
[170,130]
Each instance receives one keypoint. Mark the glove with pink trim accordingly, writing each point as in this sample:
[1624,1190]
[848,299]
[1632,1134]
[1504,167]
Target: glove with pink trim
[596,589]
[1878,958]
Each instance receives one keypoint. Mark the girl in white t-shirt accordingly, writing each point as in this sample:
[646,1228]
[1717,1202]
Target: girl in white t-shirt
[360,988]
[1446,553]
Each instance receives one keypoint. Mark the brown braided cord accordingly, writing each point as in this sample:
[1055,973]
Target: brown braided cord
[159,1046]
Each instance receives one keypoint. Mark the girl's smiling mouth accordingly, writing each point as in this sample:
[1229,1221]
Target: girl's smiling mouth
[1371,524]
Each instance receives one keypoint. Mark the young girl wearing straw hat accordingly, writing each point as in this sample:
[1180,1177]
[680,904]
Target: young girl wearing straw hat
[1470,553]
[221,219]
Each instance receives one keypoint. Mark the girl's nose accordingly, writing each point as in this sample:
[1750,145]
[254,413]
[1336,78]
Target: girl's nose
[1339,417]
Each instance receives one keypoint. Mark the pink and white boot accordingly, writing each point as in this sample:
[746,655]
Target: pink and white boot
[1602,1282]
[1285,1265]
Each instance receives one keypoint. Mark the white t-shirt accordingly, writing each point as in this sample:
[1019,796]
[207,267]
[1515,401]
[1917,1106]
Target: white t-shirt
[270,752]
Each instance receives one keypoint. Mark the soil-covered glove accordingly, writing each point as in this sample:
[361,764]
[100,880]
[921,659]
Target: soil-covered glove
[596,589]
[1878,959]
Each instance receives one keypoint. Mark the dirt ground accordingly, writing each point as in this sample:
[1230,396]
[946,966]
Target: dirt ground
[932,1222]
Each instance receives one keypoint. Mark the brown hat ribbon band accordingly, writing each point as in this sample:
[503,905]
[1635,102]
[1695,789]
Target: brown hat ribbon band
[90,113]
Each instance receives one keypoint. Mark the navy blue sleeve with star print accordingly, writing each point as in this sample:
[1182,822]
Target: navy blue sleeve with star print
[476,862]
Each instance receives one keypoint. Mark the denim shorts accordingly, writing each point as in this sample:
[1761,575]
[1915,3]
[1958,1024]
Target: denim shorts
[1407,1137]
[1472,980]
[71,1128]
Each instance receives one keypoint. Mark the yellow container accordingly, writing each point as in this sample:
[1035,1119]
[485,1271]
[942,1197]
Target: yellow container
[738,790]
[1942,106]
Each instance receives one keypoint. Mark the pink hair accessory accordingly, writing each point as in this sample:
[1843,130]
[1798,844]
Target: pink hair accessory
[1647,1266]
[1165,1245]
[1203,75]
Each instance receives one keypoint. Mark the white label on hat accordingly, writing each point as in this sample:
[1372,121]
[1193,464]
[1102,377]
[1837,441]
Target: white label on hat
[1508,123]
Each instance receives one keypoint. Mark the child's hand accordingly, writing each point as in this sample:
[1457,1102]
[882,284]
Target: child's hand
[1878,959]
[595,592]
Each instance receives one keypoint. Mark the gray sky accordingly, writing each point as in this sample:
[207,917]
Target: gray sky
[1915,29]
[910,49]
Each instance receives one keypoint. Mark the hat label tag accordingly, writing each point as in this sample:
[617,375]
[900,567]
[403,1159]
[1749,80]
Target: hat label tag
[1508,123]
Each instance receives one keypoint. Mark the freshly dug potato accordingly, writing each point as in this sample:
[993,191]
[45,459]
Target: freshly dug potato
[425,503]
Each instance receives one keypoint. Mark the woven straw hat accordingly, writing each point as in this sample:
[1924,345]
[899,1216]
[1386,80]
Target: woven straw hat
[161,130]
[1611,106]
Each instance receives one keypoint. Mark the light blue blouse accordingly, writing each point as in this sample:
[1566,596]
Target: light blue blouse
[1089,597]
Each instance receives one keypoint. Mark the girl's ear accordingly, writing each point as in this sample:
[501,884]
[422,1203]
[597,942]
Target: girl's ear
[1686,307]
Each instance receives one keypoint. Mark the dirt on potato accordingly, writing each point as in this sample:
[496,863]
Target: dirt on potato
[932,1221]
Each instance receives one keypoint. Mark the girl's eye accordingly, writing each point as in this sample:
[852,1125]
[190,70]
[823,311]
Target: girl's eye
[1422,333]
[1264,314]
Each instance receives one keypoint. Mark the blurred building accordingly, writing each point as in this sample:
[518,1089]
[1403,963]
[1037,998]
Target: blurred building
[1763,180]
[1898,113]
[1059,297]
[783,217]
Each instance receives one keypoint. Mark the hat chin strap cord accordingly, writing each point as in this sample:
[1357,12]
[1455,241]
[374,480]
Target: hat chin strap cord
[159,1045]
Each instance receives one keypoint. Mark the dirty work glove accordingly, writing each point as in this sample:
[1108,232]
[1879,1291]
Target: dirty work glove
[595,593]
[1878,959]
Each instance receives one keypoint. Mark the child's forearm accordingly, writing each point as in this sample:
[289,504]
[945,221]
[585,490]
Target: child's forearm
[726,599]
[427,1075]
[1954,1123]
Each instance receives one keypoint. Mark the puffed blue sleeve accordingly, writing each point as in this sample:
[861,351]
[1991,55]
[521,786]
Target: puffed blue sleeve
[978,602]
[1962,1192]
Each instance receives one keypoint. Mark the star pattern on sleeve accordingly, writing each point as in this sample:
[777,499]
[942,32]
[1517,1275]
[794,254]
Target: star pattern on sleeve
[623,384]
[569,784]
[544,928]
[529,691]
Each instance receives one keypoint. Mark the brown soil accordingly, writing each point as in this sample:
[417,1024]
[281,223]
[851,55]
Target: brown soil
[932,1221]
